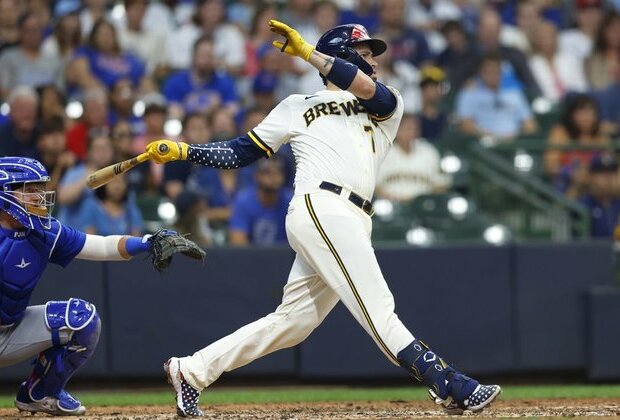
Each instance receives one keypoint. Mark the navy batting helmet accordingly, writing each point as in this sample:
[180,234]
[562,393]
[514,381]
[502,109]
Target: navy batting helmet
[339,42]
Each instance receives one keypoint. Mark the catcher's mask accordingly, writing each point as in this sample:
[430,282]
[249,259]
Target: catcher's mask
[23,192]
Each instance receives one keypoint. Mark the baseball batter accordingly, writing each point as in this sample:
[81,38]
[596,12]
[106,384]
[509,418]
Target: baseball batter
[64,334]
[339,136]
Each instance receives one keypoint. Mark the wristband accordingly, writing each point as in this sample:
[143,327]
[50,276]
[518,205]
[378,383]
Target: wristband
[342,73]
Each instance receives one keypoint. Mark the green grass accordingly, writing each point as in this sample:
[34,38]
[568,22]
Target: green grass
[323,394]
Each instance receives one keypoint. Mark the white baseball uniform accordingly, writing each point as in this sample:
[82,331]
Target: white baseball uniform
[335,140]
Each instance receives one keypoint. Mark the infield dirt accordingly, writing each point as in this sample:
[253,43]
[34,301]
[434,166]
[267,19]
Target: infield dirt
[354,410]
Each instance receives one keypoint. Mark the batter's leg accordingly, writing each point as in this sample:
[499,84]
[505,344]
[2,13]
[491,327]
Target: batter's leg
[305,303]
[334,237]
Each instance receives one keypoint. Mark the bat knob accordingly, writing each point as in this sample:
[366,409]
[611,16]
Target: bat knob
[162,149]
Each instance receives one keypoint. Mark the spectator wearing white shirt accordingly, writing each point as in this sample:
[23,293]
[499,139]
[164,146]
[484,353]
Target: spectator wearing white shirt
[134,35]
[411,167]
[579,41]
[556,73]
[429,16]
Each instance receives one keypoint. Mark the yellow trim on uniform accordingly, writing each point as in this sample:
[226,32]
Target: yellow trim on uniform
[331,247]
[385,117]
[261,144]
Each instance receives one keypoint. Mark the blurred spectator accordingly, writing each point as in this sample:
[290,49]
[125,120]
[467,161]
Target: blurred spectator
[488,108]
[411,167]
[95,116]
[403,76]
[67,35]
[609,103]
[122,100]
[514,69]
[192,220]
[404,43]
[433,119]
[41,9]
[241,12]
[94,11]
[580,40]
[111,211]
[603,206]
[429,16]
[72,190]
[259,37]
[263,90]
[259,213]
[101,61]
[604,63]
[298,14]
[25,64]
[154,121]
[18,133]
[202,87]
[580,127]
[522,35]
[209,21]
[457,50]
[147,42]
[122,142]
[555,72]
[9,30]
[364,13]
[53,155]
[222,124]
[51,103]
[196,130]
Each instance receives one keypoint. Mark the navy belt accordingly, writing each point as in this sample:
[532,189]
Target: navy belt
[365,205]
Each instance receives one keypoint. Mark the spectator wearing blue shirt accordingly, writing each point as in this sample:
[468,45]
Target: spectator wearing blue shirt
[111,211]
[603,206]
[433,119]
[259,213]
[200,88]
[121,105]
[101,61]
[404,43]
[488,108]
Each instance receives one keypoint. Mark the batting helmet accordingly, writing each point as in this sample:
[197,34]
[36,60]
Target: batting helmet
[22,204]
[339,42]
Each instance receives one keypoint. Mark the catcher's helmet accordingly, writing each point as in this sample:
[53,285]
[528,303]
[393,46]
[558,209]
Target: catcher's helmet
[22,205]
[338,42]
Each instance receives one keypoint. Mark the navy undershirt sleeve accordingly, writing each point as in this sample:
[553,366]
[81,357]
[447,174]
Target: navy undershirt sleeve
[230,154]
[383,103]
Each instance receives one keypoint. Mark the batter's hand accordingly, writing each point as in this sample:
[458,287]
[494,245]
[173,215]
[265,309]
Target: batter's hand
[295,44]
[162,151]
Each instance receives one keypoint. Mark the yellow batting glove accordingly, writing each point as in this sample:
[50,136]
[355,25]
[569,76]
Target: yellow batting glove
[162,151]
[294,44]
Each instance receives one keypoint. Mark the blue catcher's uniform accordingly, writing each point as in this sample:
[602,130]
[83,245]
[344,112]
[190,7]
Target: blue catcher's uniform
[64,334]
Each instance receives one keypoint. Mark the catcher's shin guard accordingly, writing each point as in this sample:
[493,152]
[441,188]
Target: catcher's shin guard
[55,366]
[451,389]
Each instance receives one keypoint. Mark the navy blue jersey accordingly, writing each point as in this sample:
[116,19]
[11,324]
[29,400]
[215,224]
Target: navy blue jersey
[25,255]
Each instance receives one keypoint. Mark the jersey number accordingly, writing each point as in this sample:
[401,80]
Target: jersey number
[369,129]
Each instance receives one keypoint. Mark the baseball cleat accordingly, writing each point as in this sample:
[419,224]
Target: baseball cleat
[186,396]
[477,401]
[62,405]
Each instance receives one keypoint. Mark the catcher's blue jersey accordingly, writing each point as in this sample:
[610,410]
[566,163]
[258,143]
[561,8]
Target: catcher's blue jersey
[24,255]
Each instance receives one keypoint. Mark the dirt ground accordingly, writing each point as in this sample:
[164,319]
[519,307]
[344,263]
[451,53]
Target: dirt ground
[354,410]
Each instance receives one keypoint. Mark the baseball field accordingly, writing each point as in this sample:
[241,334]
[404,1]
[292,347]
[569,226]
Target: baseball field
[313,402]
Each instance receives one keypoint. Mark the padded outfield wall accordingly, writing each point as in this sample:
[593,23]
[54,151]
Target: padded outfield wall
[488,310]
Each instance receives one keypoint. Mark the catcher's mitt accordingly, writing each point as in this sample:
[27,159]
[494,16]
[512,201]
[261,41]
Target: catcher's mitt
[166,243]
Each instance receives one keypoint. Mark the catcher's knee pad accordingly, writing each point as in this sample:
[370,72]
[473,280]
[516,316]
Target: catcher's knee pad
[55,366]
[427,367]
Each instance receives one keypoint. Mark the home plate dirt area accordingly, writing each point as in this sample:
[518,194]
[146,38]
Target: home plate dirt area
[354,410]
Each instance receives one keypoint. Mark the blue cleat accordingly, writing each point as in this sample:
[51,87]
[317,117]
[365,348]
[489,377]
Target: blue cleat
[454,404]
[62,404]
[187,396]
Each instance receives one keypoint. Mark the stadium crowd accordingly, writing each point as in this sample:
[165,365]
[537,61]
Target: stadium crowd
[87,83]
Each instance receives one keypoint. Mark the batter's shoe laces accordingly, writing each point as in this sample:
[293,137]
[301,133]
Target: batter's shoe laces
[61,405]
[187,396]
[481,398]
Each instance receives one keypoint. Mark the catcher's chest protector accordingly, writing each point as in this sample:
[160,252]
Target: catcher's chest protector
[24,256]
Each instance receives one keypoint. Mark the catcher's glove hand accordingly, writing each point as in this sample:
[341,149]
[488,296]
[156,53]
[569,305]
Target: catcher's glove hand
[165,243]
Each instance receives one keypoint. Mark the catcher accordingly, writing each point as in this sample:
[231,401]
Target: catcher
[64,334]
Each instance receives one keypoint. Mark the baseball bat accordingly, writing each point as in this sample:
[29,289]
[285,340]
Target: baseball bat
[105,175]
